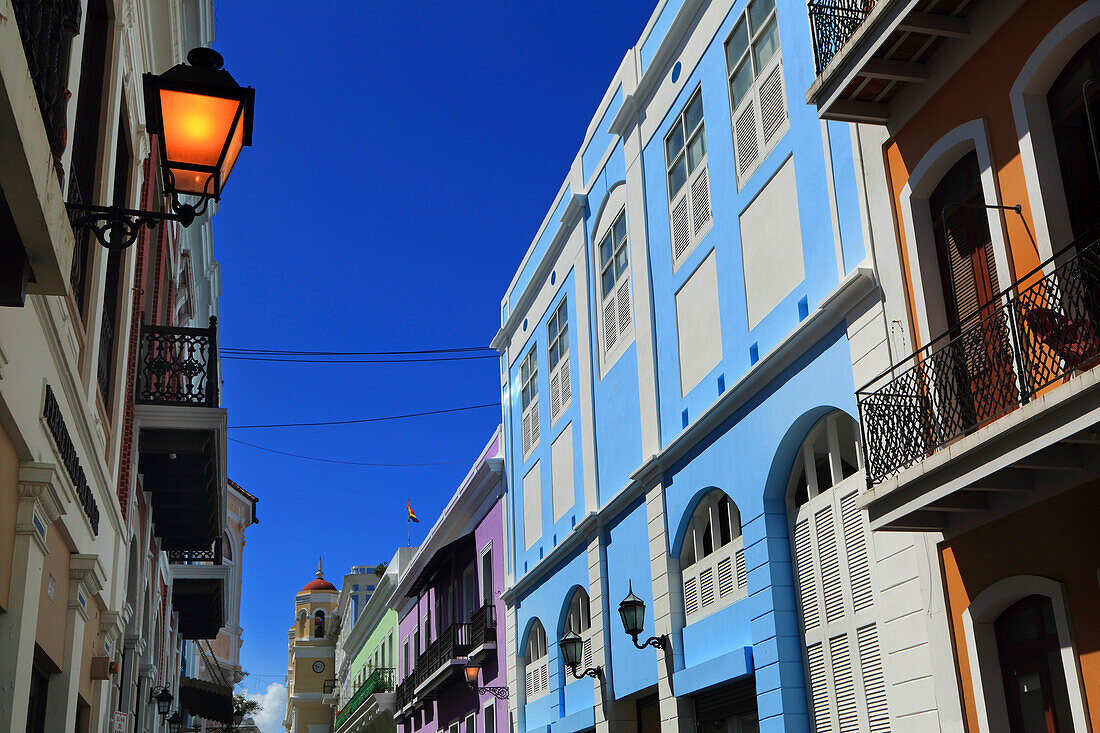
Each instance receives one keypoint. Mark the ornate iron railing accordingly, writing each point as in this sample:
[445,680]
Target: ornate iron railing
[209,556]
[106,362]
[328,686]
[403,692]
[454,642]
[46,28]
[178,366]
[82,237]
[1040,331]
[832,23]
[483,626]
[380,680]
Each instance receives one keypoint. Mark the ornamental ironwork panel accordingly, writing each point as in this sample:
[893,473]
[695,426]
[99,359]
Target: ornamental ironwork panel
[55,422]
[832,23]
[210,556]
[483,626]
[178,366]
[47,28]
[82,237]
[380,680]
[1040,331]
[454,642]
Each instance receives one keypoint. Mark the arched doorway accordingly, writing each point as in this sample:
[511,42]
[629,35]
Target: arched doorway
[1031,666]
[1073,137]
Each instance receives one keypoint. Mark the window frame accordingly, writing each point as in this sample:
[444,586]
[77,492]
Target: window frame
[537,665]
[529,399]
[612,349]
[693,175]
[719,573]
[557,342]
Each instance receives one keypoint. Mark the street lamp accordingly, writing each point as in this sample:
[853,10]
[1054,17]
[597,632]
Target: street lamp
[174,722]
[470,673]
[163,698]
[572,648]
[202,118]
[632,611]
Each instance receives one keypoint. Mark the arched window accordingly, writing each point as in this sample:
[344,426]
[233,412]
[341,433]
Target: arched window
[579,622]
[319,625]
[833,561]
[712,557]
[301,632]
[1031,665]
[1072,136]
[537,669]
[227,548]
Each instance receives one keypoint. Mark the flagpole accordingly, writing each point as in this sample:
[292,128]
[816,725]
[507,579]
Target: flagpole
[409,524]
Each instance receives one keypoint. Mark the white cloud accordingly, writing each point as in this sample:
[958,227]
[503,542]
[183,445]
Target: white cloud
[273,702]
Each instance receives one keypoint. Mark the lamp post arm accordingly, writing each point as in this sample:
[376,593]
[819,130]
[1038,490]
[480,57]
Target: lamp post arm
[596,672]
[660,642]
[117,228]
[500,693]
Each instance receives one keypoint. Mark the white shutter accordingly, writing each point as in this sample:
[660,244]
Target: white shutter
[700,203]
[530,684]
[819,690]
[544,684]
[587,653]
[623,298]
[855,549]
[874,686]
[681,234]
[804,566]
[525,420]
[725,577]
[533,411]
[706,588]
[691,596]
[564,382]
[832,588]
[742,576]
[773,107]
[610,324]
[844,685]
[555,396]
[744,134]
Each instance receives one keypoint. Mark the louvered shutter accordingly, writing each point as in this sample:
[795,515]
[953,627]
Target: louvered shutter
[545,682]
[564,382]
[560,391]
[610,324]
[773,106]
[623,306]
[681,233]
[840,663]
[525,419]
[725,577]
[700,203]
[804,566]
[744,135]
[530,684]
[587,653]
[742,576]
[819,689]
[555,396]
[533,412]
[874,685]
[691,596]
[855,548]
[832,589]
[706,588]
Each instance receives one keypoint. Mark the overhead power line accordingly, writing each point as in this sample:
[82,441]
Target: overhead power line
[290,352]
[364,419]
[347,463]
[341,360]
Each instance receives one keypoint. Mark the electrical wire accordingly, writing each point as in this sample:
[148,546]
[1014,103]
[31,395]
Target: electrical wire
[347,463]
[364,419]
[330,360]
[288,352]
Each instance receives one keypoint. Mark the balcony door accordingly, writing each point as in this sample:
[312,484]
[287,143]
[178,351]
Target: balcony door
[974,375]
[1031,665]
[1073,136]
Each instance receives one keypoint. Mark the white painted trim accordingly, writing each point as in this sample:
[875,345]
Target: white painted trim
[1038,155]
[981,648]
[917,221]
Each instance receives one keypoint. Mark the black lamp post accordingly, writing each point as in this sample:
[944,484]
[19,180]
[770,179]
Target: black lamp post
[202,118]
[572,648]
[163,697]
[632,611]
[470,672]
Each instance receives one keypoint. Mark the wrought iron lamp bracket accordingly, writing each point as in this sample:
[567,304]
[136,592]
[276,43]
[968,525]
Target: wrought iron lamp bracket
[660,642]
[596,672]
[117,228]
[500,693]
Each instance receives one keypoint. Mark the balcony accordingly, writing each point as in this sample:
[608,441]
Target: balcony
[403,695]
[380,682]
[866,52]
[448,652]
[995,412]
[181,434]
[483,630]
[198,590]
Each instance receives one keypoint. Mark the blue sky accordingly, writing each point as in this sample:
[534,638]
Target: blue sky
[403,156]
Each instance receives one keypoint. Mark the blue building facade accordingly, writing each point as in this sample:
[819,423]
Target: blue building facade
[677,353]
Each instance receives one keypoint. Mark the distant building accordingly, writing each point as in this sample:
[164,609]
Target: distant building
[311,652]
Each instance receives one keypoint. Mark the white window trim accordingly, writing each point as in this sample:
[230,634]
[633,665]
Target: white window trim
[529,414]
[613,209]
[585,634]
[752,97]
[486,598]
[981,648]
[539,667]
[561,384]
[732,554]
[686,193]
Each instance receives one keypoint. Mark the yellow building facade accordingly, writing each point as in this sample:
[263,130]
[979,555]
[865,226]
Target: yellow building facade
[311,652]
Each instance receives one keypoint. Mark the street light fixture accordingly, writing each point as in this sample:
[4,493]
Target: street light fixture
[163,698]
[470,673]
[572,648]
[632,612]
[175,720]
[202,118]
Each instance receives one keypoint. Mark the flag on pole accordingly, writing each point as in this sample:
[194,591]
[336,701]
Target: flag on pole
[412,514]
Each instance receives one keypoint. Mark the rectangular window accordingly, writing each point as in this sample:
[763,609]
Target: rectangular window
[469,593]
[406,669]
[487,575]
[470,723]
[688,186]
[615,289]
[758,104]
[529,400]
[557,334]
[489,718]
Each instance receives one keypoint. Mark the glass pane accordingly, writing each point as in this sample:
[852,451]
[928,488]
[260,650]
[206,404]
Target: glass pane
[524,372]
[563,341]
[552,326]
[694,115]
[674,143]
[608,280]
[620,230]
[759,11]
[697,149]
[737,45]
[605,250]
[620,261]
[766,46]
[676,177]
[741,83]
[553,354]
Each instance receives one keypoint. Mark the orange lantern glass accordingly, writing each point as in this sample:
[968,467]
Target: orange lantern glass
[202,118]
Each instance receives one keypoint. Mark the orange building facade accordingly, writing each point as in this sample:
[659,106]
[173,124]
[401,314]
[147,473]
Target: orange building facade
[976,133]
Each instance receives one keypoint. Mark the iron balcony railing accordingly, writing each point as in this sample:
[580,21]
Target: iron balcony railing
[328,686]
[832,23]
[483,626]
[178,366]
[1038,332]
[47,28]
[453,643]
[380,680]
[403,691]
[210,556]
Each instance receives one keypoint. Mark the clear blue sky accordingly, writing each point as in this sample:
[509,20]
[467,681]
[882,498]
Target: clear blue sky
[403,156]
